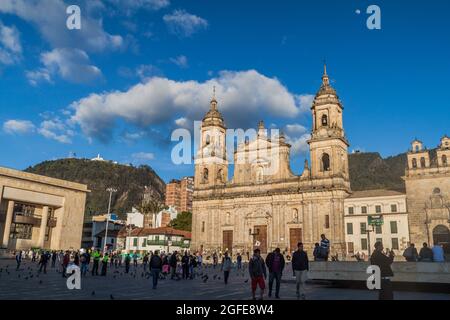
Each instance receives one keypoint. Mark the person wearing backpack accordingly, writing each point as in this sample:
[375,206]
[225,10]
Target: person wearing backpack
[226,267]
[410,253]
[155,267]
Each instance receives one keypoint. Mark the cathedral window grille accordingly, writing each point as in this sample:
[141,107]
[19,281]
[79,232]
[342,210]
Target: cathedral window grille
[422,162]
[324,120]
[325,162]
[205,175]
[444,160]
[414,163]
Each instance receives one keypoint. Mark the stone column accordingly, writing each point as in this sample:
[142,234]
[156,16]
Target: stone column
[8,221]
[43,227]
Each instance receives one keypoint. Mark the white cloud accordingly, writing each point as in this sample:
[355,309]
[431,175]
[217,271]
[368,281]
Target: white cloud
[49,17]
[10,45]
[147,71]
[180,61]
[242,96]
[132,5]
[305,101]
[299,144]
[72,65]
[295,129]
[183,23]
[143,156]
[55,129]
[18,127]
[37,76]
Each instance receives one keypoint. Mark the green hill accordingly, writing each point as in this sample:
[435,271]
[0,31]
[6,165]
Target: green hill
[129,181]
[370,171]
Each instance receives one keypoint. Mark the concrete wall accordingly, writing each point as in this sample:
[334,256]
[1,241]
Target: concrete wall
[420,272]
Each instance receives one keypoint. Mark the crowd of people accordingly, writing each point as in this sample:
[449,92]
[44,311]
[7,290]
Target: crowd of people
[188,266]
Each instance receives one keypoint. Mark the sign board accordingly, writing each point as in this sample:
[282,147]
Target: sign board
[375,220]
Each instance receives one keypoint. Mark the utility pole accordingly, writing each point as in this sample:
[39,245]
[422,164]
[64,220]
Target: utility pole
[111,191]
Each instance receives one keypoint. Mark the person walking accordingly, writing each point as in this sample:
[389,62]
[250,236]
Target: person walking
[105,264]
[239,261]
[324,247]
[96,258]
[18,260]
[145,262]
[65,263]
[54,256]
[438,253]
[426,254]
[300,268]
[226,267]
[155,267]
[185,265]
[192,266]
[84,263]
[215,259]
[316,252]
[43,262]
[258,274]
[76,259]
[384,262]
[275,263]
[173,265]
[200,261]
[410,253]
[127,263]
[135,260]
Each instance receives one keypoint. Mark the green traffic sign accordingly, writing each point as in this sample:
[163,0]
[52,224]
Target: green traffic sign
[375,220]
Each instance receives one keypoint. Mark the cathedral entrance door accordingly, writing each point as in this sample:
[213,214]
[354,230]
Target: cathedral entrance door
[295,236]
[227,241]
[441,235]
[261,238]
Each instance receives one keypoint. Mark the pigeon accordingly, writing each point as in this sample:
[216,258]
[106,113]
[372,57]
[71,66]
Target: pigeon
[93,293]
[218,278]
[246,281]
[215,276]
[26,278]
[40,282]
[111,297]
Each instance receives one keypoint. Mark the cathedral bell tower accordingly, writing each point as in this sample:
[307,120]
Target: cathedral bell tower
[211,165]
[328,144]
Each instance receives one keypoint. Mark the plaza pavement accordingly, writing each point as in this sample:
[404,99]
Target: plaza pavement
[27,284]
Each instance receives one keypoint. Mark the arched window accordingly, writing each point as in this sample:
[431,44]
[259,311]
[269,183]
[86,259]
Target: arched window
[207,140]
[220,175]
[260,174]
[228,218]
[422,162]
[324,120]
[414,163]
[325,162]
[444,160]
[205,175]
[417,148]
[295,215]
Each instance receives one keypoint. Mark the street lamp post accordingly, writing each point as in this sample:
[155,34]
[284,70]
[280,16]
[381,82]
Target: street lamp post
[111,191]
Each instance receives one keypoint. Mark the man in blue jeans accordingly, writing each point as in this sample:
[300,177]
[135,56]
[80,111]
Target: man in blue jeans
[155,267]
[275,262]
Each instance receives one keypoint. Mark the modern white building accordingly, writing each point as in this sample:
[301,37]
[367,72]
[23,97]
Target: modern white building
[99,228]
[386,204]
[164,217]
[143,240]
[135,218]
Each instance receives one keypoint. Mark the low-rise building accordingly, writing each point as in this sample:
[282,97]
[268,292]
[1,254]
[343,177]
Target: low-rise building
[40,212]
[386,205]
[143,240]
[99,228]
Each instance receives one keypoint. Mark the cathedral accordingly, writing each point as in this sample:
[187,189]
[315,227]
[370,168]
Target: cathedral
[264,204]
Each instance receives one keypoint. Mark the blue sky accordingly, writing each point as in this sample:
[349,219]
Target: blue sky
[139,69]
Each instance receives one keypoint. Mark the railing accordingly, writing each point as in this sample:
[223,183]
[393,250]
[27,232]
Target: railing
[180,244]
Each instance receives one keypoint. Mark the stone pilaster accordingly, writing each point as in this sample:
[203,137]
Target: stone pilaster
[8,222]
[43,227]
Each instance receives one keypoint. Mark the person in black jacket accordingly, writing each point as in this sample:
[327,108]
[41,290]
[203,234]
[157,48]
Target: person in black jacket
[426,254]
[275,263]
[155,267]
[173,265]
[384,262]
[300,267]
[185,265]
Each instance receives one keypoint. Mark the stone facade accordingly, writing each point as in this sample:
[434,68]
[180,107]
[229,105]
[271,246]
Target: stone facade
[37,211]
[427,181]
[265,205]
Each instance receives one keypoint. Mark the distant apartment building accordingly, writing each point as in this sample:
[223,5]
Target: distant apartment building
[386,205]
[179,194]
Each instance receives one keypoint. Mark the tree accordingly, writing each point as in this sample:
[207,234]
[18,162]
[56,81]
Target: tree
[182,222]
[149,208]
